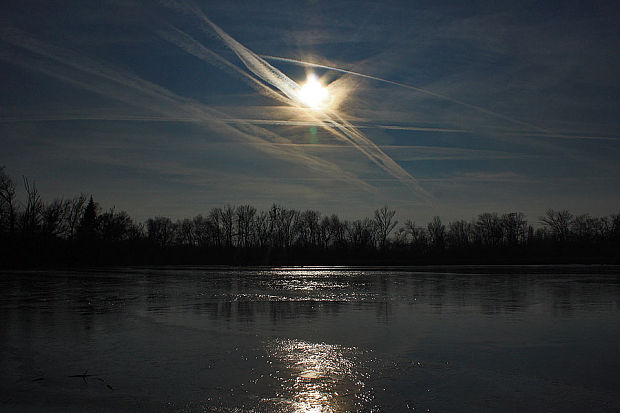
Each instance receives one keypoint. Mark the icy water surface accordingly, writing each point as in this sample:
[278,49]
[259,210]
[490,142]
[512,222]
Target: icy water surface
[311,340]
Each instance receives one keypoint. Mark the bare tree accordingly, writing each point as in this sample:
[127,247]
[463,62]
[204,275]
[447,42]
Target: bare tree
[53,218]
[361,233]
[286,226]
[261,229]
[185,232]
[136,231]
[227,218]
[31,217]
[307,227]
[8,205]
[384,224]
[416,236]
[514,227]
[437,233]
[587,228]
[338,231]
[281,226]
[74,214]
[114,226]
[614,227]
[489,230]
[244,218]
[215,226]
[559,222]
[160,230]
[410,231]
[201,230]
[325,232]
[459,234]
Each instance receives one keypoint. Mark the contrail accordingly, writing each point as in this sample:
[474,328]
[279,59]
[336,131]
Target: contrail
[269,122]
[269,74]
[126,87]
[253,62]
[192,46]
[406,86]
[133,118]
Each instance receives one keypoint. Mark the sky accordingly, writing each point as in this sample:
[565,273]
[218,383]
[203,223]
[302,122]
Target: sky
[449,108]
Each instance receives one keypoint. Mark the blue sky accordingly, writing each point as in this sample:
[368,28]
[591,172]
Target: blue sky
[463,107]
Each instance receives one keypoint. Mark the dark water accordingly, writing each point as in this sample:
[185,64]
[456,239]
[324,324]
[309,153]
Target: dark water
[311,340]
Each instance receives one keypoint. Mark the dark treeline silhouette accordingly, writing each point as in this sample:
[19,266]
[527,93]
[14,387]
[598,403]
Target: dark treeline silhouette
[78,232]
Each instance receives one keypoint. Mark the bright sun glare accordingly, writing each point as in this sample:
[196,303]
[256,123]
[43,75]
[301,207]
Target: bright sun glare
[313,93]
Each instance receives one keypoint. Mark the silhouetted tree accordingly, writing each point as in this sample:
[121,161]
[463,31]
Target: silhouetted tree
[87,229]
[136,232]
[184,234]
[244,219]
[586,228]
[459,234]
[201,231]
[53,218]
[437,233]
[160,230]
[30,219]
[215,226]
[114,226]
[361,233]
[333,232]
[307,228]
[384,224]
[281,225]
[488,229]
[227,218]
[614,227]
[74,215]
[36,232]
[325,232]
[262,229]
[415,236]
[8,207]
[514,227]
[559,222]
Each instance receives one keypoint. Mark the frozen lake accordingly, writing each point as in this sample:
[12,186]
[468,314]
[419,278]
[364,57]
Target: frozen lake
[194,339]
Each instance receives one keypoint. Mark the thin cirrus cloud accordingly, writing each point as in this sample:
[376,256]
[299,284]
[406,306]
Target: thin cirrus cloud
[117,84]
[492,106]
[128,88]
[331,120]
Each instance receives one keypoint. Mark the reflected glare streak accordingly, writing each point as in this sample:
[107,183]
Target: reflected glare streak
[321,377]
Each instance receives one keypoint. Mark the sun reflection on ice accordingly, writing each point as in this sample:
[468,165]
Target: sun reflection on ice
[322,377]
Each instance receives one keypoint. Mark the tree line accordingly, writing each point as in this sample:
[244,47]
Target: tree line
[78,231]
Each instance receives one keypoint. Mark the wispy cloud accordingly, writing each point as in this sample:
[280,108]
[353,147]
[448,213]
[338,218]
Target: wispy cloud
[289,89]
[124,86]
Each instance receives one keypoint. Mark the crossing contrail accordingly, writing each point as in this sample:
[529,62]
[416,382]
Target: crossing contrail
[406,86]
[289,90]
[111,82]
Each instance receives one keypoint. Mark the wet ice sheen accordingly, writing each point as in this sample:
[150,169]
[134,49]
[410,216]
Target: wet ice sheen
[310,339]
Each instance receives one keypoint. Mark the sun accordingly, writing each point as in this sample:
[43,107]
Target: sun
[312,93]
